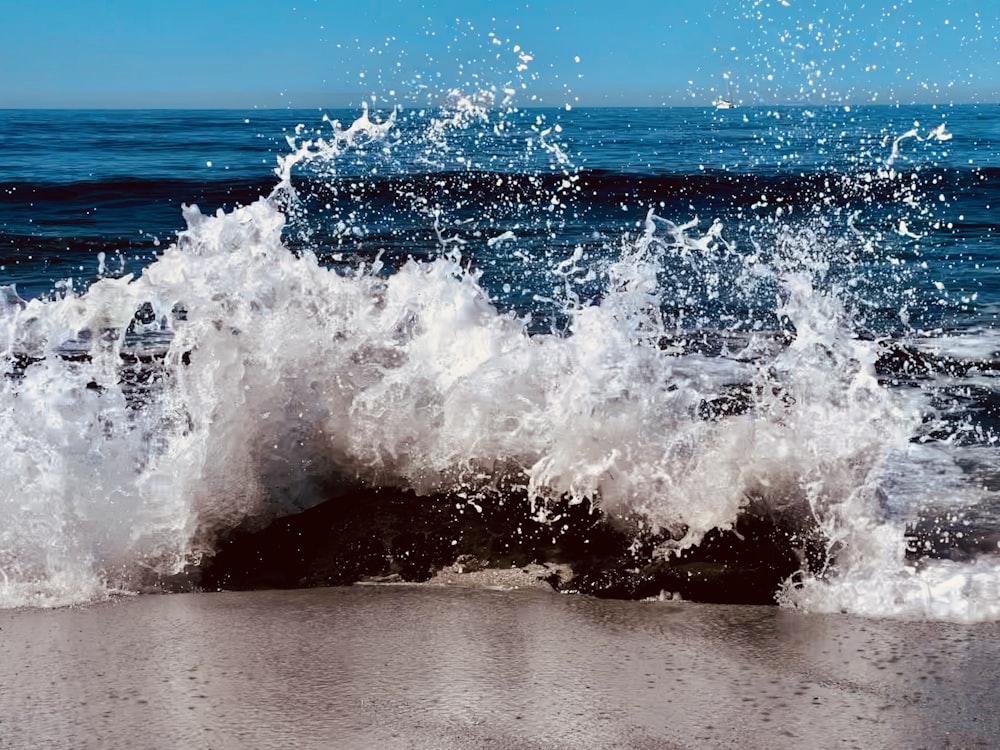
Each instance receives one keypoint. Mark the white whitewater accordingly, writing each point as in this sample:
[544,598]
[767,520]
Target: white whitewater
[276,375]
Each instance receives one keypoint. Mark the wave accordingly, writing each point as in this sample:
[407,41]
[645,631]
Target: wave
[239,378]
[127,189]
[600,188]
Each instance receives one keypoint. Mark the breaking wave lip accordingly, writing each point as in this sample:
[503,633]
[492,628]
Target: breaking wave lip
[274,373]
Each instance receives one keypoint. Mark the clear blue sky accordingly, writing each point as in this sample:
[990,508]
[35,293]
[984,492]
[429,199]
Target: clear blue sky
[329,53]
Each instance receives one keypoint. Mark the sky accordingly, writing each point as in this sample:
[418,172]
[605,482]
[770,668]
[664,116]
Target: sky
[333,53]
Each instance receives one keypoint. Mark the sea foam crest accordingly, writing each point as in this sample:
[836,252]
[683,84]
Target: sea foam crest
[270,378]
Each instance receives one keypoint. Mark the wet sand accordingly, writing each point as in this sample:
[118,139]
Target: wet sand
[451,667]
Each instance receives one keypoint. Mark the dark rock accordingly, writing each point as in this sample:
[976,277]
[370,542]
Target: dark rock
[737,399]
[902,362]
[950,538]
[391,534]
[742,566]
[354,535]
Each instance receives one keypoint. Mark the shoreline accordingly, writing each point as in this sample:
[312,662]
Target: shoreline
[451,666]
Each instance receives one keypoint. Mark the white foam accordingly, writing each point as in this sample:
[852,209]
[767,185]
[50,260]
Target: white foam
[282,374]
[880,585]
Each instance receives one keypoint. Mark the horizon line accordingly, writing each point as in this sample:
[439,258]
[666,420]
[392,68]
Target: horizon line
[532,106]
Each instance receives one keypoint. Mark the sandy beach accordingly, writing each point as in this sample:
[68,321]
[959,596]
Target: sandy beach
[442,666]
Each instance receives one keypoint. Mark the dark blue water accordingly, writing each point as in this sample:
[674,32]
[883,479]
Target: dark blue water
[76,183]
[456,299]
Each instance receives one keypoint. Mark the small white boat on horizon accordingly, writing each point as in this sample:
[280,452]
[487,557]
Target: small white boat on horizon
[726,102]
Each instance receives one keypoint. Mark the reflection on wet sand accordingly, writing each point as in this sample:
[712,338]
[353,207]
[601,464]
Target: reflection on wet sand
[439,667]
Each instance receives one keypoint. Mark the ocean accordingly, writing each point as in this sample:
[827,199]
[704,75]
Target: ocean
[211,319]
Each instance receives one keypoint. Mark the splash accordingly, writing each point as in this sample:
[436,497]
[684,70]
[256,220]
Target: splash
[250,371]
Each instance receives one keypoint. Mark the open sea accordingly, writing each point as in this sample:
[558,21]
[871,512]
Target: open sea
[211,317]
